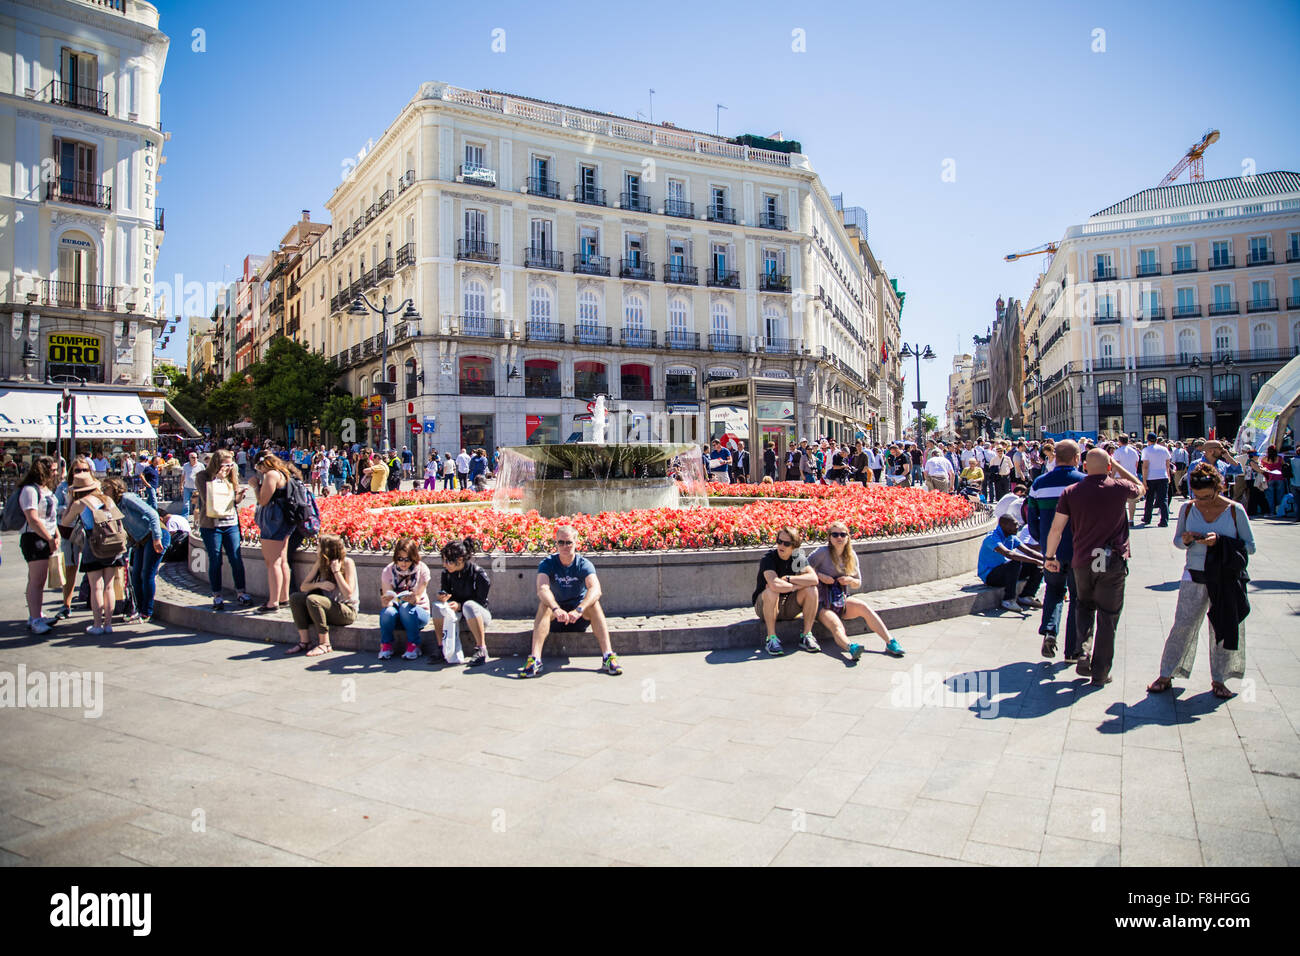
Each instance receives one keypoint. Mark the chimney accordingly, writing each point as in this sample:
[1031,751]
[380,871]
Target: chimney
[306,215]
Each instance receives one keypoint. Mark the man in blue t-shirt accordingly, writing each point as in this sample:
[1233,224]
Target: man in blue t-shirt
[149,480]
[720,463]
[568,599]
[1005,561]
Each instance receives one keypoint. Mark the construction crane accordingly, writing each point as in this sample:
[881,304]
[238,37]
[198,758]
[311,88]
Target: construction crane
[1047,247]
[1193,159]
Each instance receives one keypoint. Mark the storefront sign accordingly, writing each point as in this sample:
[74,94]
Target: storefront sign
[73,349]
[769,409]
[34,414]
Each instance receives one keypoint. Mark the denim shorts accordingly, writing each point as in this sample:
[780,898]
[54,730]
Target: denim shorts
[271,522]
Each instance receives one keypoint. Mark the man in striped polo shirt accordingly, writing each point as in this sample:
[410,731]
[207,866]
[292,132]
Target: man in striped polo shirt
[1043,495]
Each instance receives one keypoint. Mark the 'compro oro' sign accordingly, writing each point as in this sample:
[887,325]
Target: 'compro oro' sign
[73,349]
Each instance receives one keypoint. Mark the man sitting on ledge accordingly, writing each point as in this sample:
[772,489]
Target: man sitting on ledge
[786,588]
[568,593]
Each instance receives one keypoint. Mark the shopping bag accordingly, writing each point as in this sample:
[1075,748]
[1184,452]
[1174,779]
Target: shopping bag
[55,577]
[451,651]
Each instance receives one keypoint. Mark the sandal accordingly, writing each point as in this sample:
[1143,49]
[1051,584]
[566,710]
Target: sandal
[320,650]
[1221,691]
[266,609]
[297,648]
[1160,685]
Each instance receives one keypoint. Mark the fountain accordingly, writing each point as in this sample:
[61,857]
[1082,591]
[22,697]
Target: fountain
[595,476]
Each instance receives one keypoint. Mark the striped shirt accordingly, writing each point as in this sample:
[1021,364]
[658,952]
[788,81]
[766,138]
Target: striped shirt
[1043,495]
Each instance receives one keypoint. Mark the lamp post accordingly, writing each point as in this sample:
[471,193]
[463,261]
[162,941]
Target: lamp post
[1214,403]
[1082,392]
[359,306]
[928,354]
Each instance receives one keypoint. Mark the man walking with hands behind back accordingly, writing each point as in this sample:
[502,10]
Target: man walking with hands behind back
[1097,511]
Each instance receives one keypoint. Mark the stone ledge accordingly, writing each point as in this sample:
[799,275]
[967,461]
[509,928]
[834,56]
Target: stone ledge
[182,603]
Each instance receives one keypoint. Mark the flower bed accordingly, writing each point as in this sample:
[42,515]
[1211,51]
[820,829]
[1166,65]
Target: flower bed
[872,511]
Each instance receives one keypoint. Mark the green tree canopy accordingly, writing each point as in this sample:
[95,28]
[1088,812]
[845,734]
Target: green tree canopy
[291,383]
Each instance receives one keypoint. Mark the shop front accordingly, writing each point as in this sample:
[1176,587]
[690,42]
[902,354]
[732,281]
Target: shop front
[755,411]
[37,421]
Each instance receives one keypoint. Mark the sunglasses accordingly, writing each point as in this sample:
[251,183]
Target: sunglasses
[839,534]
[562,544]
[784,543]
[1201,483]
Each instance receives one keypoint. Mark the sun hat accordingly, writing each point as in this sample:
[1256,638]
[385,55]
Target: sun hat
[83,481]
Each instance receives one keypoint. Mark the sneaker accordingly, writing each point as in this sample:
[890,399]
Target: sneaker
[245,598]
[773,646]
[64,612]
[809,643]
[1101,681]
[94,630]
[893,648]
[609,664]
[532,667]
[480,657]
[412,652]
[39,626]
[1049,647]
[1010,606]
[1084,667]
[108,629]
[1029,602]
[855,651]
[385,651]
[217,602]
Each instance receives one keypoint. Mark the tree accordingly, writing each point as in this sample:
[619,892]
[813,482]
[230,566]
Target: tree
[337,411]
[230,401]
[928,423]
[290,384]
[190,398]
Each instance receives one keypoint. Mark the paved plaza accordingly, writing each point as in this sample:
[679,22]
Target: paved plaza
[970,750]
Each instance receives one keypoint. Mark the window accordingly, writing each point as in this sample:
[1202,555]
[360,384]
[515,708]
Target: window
[1259,249]
[1152,345]
[1221,253]
[1227,387]
[1103,266]
[1187,301]
[1261,292]
[541,378]
[1154,391]
[476,376]
[1222,297]
[773,325]
[474,155]
[634,313]
[1151,301]
[539,236]
[475,227]
[539,307]
[1183,259]
[720,319]
[1147,262]
[1257,380]
[1292,246]
[1188,345]
[475,315]
[1222,339]
[79,76]
[1110,392]
[78,171]
[588,316]
[677,319]
[634,383]
[588,242]
[1106,352]
[590,379]
[1261,337]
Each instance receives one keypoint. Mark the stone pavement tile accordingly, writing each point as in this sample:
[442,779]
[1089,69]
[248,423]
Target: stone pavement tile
[1152,735]
[788,758]
[751,798]
[1088,736]
[852,700]
[1067,851]
[917,750]
[893,785]
[825,727]
[12,827]
[854,753]
[989,854]
[1209,730]
[1025,776]
[936,828]
[959,781]
[730,762]
[808,849]
[1031,739]
[1288,832]
[1139,847]
[652,736]
[823,792]
[1162,769]
[538,765]
[594,772]
[1011,821]
[662,768]
[1281,796]
[1263,725]
[1085,815]
[766,731]
[883,721]
[1273,756]
[1239,807]
[1227,846]
[1081,770]
[711,733]
[1226,765]
[977,746]
[865,824]
[944,721]
[797,821]
[1159,809]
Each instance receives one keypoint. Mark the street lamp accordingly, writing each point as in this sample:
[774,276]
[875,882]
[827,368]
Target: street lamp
[359,306]
[928,354]
[1214,403]
[1082,392]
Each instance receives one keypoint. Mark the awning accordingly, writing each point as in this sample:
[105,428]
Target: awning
[179,419]
[33,414]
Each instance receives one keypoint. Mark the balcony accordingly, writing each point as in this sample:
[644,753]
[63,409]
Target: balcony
[471,386]
[244,341]
[384,270]
[543,331]
[160,219]
[680,395]
[1183,265]
[1223,262]
[1106,364]
[1225,308]
[723,342]
[1106,274]
[1153,315]
[1106,318]
[1292,302]
[1293,254]
[407,181]
[292,328]
[637,338]
[588,333]
[386,199]
[771,220]
[591,265]
[774,282]
[74,295]
[1187,312]
[277,304]
[78,97]
[634,202]
[589,195]
[636,392]
[372,211]
[636,269]
[781,346]
[1261,305]
[590,387]
[681,275]
[724,278]
[477,175]
[538,258]
[541,388]
[680,208]
[83,192]
[1260,258]
[476,250]
[1148,269]
[358,224]
[721,213]
[682,340]
[406,255]
[479,326]
[548,188]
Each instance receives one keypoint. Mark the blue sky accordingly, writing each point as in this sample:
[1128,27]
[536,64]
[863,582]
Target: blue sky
[1043,131]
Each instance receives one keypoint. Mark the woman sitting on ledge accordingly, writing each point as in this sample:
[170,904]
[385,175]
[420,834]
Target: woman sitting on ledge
[328,596]
[464,588]
[837,570]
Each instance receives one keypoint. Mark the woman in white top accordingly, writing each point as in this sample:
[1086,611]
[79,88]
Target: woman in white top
[38,542]
[837,570]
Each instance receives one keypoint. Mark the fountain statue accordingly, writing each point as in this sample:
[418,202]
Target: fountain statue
[593,476]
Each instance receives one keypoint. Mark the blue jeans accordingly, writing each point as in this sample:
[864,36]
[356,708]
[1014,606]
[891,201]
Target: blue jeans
[413,620]
[227,539]
[1274,492]
[185,501]
[144,573]
[1058,582]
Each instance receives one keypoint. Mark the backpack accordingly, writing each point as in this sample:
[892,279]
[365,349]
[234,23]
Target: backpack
[13,518]
[107,535]
[300,508]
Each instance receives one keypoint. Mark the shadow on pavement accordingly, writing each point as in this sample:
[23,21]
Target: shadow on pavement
[1031,696]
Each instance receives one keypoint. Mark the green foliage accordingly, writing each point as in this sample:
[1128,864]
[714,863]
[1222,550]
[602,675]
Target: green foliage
[336,410]
[762,142]
[290,384]
[929,422]
[228,402]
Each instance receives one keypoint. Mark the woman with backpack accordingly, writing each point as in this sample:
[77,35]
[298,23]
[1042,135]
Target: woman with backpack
[104,548]
[149,539]
[275,527]
[218,489]
[33,508]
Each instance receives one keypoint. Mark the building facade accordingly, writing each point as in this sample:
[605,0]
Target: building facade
[553,254]
[960,406]
[1167,311]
